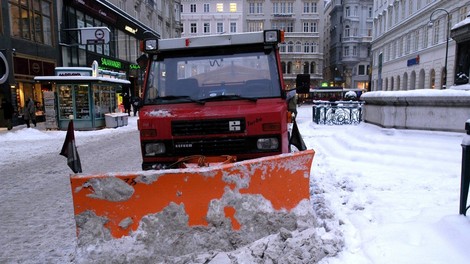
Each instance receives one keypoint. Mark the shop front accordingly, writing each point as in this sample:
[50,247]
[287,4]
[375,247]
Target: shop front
[82,96]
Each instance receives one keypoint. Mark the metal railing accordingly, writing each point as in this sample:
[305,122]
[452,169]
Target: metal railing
[337,113]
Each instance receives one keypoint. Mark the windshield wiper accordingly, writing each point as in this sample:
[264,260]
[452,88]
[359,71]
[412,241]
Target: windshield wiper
[228,97]
[177,97]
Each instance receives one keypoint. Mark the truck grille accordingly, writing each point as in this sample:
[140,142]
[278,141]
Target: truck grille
[208,127]
[213,146]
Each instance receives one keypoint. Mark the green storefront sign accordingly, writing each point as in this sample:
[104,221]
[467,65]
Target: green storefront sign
[111,63]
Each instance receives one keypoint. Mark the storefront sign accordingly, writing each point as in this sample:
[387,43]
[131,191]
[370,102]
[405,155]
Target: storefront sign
[131,30]
[414,61]
[71,71]
[111,63]
[134,66]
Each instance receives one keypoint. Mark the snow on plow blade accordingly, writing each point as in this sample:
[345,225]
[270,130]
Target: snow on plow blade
[120,201]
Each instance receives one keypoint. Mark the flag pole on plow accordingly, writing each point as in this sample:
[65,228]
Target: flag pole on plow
[69,150]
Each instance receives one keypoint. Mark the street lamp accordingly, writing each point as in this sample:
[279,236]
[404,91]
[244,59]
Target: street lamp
[447,41]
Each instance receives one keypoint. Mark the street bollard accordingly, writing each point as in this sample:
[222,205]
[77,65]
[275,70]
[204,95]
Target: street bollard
[465,175]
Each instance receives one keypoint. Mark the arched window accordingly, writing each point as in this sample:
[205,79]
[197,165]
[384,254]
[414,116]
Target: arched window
[283,66]
[289,67]
[405,81]
[282,47]
[347,31]
[432,80]
[305,67]
[312,67]
[290,46]
[298,47]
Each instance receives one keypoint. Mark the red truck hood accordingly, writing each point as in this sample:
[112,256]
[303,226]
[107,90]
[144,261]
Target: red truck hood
[261,111]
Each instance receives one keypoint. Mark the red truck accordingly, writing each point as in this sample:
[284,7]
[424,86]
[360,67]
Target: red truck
[213,95]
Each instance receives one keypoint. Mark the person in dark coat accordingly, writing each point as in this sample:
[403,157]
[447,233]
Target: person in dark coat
[126,101]
[30,112]
[8,111]
[136,104]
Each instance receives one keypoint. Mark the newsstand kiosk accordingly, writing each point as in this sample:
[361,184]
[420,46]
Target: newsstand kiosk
[87,95]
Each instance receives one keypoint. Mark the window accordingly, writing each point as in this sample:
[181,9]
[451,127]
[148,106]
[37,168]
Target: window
[290,46]
[354,52]
[254,26]
[310,7]
[306,67]
[416,40]
[313,27]
[233,27]
[193,28]
[306,47]
[369,13]
[259,8]
[206,8]
[251,8]
[408,44]
[31,20]
[435,39]
[463,13]
[425,37]
[193,8]
[207,27]
[346,31]
[312,67]
[347,11]
[314,47]
[275,8]
[306,26]
[298,47]
[282,47]
[220,7]
[220,27]
[290,8]
[233,7]
[361,70]
[346,51]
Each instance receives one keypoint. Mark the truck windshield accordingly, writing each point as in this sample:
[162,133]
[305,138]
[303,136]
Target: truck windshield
[203,78]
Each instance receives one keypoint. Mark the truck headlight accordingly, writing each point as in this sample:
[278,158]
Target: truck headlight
[152,149]
[267,143]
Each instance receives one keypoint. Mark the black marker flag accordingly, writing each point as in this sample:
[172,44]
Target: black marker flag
[296,138]
[69,150]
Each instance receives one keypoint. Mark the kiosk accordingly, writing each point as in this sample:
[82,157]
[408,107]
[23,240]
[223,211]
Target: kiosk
[83,94]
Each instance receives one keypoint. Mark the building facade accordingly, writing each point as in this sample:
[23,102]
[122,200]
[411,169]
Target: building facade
[411,47]
[38,35]
[350,36]
[211,17]
[301,20]
[29,44]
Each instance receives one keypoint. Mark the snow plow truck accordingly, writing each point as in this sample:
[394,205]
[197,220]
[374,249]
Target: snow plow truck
[214,131]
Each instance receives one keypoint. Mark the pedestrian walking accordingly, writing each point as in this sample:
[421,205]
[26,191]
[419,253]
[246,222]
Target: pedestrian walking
[126,101]
[29,113]
[136,104]
[8,111]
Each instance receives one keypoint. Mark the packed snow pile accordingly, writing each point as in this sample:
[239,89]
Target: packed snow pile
[305,235]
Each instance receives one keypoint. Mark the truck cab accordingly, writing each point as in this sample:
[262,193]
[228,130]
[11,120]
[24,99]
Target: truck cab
[213,95]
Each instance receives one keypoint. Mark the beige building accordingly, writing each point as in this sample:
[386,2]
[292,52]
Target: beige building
[408,51]
[302,21]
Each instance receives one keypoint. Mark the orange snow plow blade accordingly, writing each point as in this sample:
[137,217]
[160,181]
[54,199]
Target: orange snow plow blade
[122,200]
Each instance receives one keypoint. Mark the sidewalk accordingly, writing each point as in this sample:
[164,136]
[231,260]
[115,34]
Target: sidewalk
[39,126]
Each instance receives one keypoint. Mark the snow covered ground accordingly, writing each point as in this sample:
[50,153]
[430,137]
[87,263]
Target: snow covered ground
[394,194]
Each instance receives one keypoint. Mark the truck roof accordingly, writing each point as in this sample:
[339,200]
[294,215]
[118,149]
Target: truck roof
[212,40]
